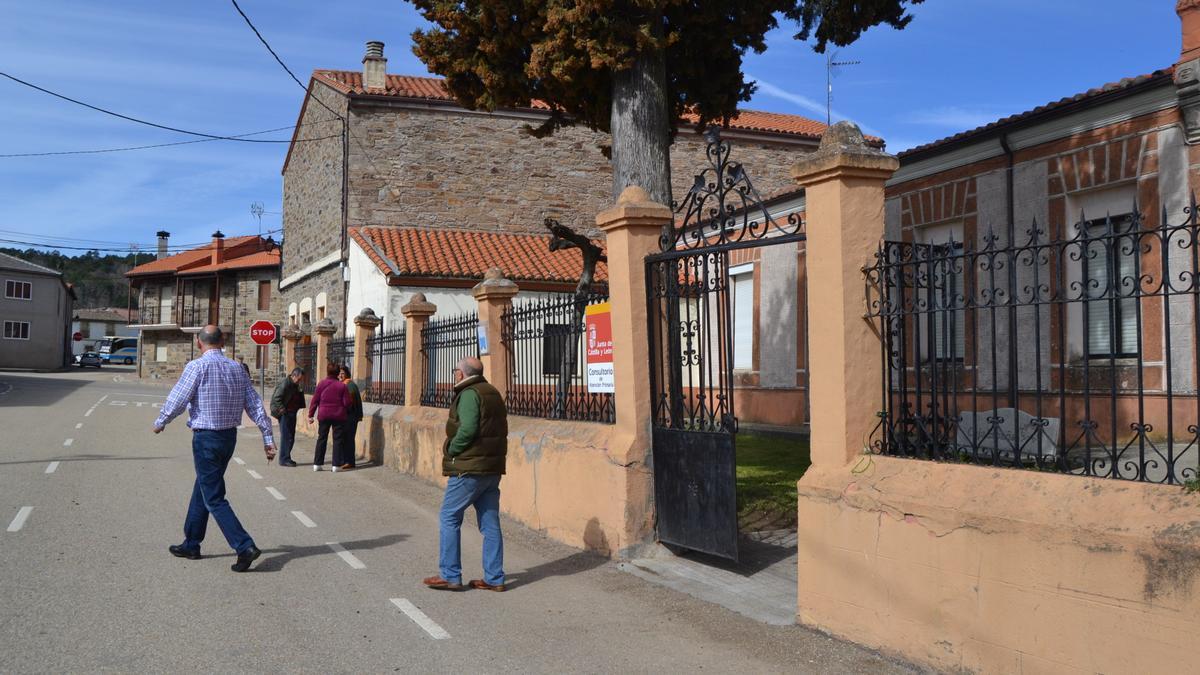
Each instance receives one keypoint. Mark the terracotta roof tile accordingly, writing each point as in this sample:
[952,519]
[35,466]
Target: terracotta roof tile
[239,252]
[468,254]
[1164,74]
[433,88]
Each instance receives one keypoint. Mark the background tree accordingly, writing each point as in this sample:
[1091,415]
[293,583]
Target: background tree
[631,68]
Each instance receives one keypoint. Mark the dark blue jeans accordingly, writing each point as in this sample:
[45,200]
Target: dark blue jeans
[287,436]
[211,452]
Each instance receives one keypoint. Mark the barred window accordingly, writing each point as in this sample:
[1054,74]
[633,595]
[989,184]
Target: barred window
[1110,275]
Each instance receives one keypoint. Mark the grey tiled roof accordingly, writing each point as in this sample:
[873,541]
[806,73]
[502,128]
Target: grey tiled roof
[8,262]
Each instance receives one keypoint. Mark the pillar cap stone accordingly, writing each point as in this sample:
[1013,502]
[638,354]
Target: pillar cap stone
[633,208]
[494,286]
[843,152]
[325,327]
[418,306]
[292,332]
[367,318]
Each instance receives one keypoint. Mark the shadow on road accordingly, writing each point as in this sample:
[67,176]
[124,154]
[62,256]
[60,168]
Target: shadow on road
[28,391]
[596,555]
[274,559]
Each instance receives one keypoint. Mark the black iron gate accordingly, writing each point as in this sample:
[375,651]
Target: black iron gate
[690,312]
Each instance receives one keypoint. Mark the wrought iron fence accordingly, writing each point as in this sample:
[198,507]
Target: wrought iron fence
[306,358]
[151,314]
[1074,353]
[443,343]
[547,361]
[341,353]
[387,350]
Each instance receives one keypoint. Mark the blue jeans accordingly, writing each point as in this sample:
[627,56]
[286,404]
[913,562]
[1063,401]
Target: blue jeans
[211,452]
[483,492]
[287,436]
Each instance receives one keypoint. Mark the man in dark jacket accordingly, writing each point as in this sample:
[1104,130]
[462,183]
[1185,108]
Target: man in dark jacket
[285,402]
[473,459]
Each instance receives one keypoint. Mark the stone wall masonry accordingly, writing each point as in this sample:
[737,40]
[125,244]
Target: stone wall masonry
[451,169]
[312,186]
[180,350]
[328,282]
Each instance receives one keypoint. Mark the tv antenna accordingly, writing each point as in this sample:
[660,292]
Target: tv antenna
[256,210]
[832,68]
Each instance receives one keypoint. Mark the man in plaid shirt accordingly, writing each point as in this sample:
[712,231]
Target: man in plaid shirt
[214,390]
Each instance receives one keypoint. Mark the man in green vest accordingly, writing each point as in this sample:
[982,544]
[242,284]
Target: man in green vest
[473,459]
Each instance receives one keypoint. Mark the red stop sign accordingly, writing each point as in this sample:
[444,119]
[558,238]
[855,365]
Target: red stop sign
[262,332]
[78,337]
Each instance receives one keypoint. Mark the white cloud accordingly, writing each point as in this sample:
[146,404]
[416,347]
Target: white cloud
[953,117]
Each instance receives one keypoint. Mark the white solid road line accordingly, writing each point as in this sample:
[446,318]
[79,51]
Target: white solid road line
[79,425]
[239,460]
[254,474]
[19,521]
[276,494]
[344,554]
[67,443]
[52,467]
[89,412]
[435,631]
[304,520]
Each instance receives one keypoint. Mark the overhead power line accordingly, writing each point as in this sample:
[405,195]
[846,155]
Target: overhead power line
[214,137]
[126,248]
[160,145]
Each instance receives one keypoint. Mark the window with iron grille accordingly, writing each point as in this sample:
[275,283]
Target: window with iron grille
[1110,268]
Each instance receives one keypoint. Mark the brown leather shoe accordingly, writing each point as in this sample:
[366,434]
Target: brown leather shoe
[345,467]
[485,586]
[440,584]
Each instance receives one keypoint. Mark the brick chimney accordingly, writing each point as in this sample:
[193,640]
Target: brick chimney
[163,237]
[374,67]
[1187,68]
[218,248]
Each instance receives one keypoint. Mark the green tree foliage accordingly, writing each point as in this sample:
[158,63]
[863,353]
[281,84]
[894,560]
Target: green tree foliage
[99,280]
[506,53]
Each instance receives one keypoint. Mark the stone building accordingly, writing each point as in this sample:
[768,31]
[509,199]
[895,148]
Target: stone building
[416,160]
[35,311]
[231,283]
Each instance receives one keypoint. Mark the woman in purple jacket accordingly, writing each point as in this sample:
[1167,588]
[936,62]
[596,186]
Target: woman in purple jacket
[329,404]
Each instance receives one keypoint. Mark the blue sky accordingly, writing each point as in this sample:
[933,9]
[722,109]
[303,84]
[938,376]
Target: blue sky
[195,65]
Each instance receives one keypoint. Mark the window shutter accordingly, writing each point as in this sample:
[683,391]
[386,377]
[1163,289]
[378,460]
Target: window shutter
[743,320]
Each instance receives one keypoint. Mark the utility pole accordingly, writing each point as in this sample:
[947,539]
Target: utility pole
[831,69]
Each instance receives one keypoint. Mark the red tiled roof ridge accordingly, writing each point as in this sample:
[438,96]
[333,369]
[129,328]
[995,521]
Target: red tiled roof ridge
[190,260]
[1107,88]
[433,88]
[399,251]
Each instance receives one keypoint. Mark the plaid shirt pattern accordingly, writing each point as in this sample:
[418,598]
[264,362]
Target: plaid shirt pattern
[215,390]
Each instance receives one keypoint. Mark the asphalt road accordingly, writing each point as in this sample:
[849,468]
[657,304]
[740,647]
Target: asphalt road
[90,499]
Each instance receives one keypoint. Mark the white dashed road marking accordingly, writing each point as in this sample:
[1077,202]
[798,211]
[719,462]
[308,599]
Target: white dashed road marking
[345,555]
[79,425]
[19,521]
[435,631]
[239,460]
[254,474]
[52,467]
[304,520]
[67,443]
[89,412]
[276,494]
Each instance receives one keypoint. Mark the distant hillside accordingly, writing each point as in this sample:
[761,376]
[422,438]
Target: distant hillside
[99,279]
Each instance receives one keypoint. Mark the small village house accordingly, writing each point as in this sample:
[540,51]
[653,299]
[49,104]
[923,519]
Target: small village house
[93,324]
[231,283]
[36,314]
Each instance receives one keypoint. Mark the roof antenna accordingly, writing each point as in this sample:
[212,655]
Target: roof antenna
[256,210]
[832,69]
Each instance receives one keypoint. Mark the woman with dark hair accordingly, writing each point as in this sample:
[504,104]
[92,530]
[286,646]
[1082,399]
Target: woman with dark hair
[354,415]
[329,404]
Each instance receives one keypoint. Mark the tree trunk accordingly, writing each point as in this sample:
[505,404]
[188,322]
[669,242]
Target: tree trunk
[640,129]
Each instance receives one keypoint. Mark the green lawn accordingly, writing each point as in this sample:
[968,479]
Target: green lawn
[767,470]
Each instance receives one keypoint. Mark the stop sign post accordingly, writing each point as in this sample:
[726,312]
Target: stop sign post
[263,333]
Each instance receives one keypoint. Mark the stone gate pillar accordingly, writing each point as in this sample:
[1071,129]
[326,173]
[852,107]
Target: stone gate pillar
[416,315]
[324,329]
[364,327]
[291,337]
[494,294]
[844,188]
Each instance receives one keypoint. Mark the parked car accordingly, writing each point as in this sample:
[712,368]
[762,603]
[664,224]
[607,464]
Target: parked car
[89,359]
